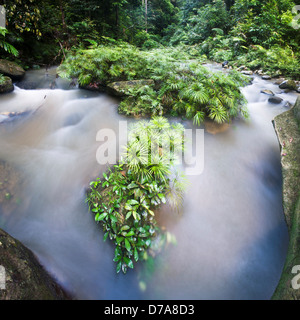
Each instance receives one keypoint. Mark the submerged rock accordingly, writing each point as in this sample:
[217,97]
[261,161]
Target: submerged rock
[23,278]
[6,86]
[120,88]
[275,100]
[268,92]
[11,69]
[215,128]
[6,117]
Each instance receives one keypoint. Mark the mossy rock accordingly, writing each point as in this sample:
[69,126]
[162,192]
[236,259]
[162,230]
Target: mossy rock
[288,84]
[288,132]
[121,88]
[6,86]
[11,69]
[23,278]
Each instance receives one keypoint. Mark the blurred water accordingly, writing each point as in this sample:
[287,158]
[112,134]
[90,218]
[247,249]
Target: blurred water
[231,236]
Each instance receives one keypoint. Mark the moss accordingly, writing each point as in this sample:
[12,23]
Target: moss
[25,277]
[287,129]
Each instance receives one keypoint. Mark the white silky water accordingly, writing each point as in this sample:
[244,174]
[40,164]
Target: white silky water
[231,236]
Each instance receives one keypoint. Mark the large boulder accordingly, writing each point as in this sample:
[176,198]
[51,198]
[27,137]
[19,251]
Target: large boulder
[275,100]
[121,88]
[288,84]
[287,128]
[6,85]
[21,275]
[11,69]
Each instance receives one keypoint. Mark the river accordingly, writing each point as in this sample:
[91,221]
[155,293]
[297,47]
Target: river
[231,238]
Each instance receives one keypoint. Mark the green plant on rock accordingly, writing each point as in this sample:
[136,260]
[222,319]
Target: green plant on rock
[182,86]
[124,200]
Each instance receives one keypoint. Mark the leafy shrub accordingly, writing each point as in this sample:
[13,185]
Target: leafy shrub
[182,85]
[124,201]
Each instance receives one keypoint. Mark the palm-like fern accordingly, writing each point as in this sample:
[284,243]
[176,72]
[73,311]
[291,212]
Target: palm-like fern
[5,45]
[181,88]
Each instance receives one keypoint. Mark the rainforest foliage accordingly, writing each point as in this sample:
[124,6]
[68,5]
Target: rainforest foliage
[167,43]
[125,199]
[258,34]
[181,85]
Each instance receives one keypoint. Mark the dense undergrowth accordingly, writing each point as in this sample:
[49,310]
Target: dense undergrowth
[124,200]
[182,85]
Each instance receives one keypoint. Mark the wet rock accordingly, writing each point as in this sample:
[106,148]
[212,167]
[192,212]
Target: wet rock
[6,117]
[225,64]
[24,277]
[298,89]
[11,69]
[120,88]
[266,77]
[279,81]
[247,72]
[287,129]
[27,85]
[288,105]
[241,68]
[268,92]
[94,86]
[288,84]
[6,86]
[275,100]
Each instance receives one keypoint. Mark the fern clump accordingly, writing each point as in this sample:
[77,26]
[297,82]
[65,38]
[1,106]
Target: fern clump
[183,87]
[125,199]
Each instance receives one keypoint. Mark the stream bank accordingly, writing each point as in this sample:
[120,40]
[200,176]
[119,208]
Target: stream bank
[287,127]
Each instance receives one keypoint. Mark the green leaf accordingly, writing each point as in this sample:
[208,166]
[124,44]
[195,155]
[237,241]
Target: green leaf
[128,215]
[102,216]
[136,254]
[130,233]
[119,265]
[132,202]
[105,236]
[128,262]
[128,207]
[119,239]
[151,212]
[124,228]
[113,218]
[127,245]
[132,185]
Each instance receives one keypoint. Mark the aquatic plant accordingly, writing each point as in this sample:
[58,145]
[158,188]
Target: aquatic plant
[124,200]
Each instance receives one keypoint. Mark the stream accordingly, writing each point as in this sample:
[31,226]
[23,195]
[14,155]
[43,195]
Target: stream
[231,238]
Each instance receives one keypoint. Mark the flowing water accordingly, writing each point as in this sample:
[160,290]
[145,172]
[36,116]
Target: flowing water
[231,236]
